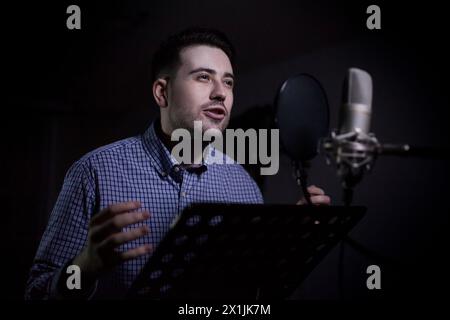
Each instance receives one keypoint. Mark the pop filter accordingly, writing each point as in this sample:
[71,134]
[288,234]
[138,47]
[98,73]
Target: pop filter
[302,116]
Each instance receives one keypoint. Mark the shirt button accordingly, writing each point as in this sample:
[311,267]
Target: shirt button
[164,174]
[183,194]
[176,169]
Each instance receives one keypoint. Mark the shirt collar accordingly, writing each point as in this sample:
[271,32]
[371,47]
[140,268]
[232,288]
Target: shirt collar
[161,158]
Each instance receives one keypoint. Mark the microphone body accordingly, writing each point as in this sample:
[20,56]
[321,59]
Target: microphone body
[355,112]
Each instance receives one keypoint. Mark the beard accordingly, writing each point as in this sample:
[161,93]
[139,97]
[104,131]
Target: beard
[184,118]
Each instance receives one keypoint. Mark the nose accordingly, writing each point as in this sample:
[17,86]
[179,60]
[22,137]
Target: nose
[218,92]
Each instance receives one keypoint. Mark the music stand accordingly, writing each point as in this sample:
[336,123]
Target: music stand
[242,251]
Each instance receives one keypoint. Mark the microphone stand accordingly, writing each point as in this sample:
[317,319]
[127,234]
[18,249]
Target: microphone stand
[406,150]
[354,153]
[301,177]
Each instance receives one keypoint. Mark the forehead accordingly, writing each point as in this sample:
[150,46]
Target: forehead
[203,56]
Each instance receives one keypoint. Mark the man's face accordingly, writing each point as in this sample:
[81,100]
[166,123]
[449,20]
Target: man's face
[202,89]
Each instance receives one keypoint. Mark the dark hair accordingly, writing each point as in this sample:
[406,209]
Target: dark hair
[167,58]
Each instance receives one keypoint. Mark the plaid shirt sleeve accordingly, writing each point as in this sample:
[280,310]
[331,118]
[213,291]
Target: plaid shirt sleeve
[66,233]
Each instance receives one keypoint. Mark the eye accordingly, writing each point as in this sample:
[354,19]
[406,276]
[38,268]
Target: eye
[229,83]
[204,77]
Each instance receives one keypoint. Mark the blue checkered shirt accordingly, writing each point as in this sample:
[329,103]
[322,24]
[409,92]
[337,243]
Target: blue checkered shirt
[138,168]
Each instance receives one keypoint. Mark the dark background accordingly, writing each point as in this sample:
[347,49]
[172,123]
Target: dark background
[67,92]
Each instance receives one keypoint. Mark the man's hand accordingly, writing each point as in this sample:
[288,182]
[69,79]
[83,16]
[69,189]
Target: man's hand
[318,197]
[105,235]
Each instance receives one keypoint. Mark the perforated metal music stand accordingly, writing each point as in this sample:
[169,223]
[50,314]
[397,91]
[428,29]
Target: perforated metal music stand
[238,251]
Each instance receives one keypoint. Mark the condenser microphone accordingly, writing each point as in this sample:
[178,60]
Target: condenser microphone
[352,147]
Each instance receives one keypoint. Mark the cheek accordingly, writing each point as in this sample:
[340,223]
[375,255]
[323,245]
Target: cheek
[180,95]
[192,96]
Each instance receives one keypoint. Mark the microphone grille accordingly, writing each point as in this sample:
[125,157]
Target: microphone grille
[358,87]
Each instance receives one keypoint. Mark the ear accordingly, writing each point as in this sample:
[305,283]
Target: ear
[160,92]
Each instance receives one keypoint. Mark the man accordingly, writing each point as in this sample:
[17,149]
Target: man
[118,201]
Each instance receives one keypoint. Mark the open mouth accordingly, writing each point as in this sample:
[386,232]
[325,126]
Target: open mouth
[216,113]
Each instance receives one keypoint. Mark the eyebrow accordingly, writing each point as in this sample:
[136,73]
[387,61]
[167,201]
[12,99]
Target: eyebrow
[211,71]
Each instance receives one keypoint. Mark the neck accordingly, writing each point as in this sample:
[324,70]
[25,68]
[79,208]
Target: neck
[164,137]
[169,144]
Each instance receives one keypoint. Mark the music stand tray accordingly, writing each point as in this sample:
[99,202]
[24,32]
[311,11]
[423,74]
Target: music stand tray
[242,251]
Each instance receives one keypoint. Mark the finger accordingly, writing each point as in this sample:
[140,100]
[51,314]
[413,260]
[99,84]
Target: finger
[123,220]
[116,224]
[120,238]
[113,210]
[321,200]
[136,252]
[313,190]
